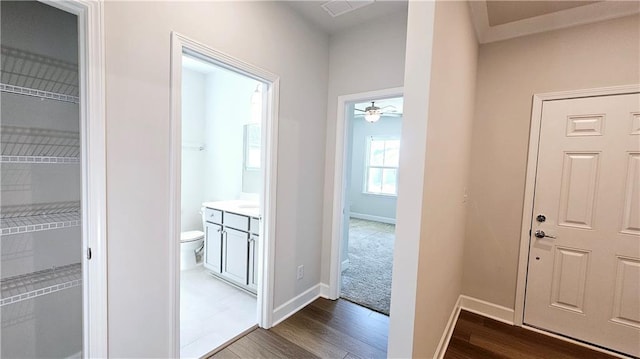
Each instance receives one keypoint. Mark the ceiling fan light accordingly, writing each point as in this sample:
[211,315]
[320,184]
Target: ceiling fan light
[371,116]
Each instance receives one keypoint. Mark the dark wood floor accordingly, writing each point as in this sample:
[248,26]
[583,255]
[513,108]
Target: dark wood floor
[324,329]
[478,337]
[341,329]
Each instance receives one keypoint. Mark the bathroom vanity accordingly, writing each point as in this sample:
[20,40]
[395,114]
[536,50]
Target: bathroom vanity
[230,244]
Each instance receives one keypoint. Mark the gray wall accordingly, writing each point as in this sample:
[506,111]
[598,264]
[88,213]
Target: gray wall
[356,66]
[137,39]
[359,202]
[192,181]
[448,68]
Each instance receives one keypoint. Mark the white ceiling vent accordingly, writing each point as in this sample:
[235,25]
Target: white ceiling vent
[336,8]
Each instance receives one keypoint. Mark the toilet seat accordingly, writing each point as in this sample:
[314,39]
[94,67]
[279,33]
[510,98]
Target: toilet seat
[191,236]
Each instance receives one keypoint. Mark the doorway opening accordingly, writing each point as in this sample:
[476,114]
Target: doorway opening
[52,210]
[367,190]
[222,151]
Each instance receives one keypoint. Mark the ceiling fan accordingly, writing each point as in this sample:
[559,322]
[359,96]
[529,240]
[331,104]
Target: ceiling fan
[372,113]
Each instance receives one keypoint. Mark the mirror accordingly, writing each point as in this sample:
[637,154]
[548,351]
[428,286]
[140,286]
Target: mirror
[252,158]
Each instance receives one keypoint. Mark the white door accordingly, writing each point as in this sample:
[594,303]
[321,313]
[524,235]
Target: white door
[584,278]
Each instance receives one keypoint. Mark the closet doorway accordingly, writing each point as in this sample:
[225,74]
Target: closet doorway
[52,181]
[365,190]
[223,182]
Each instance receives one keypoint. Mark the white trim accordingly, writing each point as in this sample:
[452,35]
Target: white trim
[92,121]
[339,190]
[448,331]
[369,217]
[532,163]
[266,249]
[345,265]
[324,291]
[487,309]
[581,15]
[294,305]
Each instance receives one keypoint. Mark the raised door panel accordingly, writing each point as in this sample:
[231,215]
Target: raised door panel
[626,305]
[569,279]
[213,247]
[578,189]
[235,255]
[631,212]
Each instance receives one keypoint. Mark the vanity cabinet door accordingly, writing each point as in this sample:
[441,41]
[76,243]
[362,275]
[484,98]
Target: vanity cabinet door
[235,255]
[213,247]
[253,262]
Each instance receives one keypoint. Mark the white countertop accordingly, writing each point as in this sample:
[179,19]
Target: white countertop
[247,208]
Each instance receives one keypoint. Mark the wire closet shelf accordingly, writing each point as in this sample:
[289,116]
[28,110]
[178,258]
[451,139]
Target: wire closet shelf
[31,74]
[32,285]
[37,145]
[39,217]
[36,75]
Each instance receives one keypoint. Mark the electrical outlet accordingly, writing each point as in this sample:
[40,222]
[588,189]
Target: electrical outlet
[300,273]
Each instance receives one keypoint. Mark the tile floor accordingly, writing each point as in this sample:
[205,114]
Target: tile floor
[211,312]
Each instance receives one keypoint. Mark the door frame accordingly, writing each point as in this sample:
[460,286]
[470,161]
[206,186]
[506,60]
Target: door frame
[339,180]
[530,181]
[266,248]
[91,66]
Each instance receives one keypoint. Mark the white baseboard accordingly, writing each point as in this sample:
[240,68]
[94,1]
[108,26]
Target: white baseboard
[477,306]
[324,291]
[294,305]
[448,331]
[345,265]
[487,309]
[369,217]
[501,314]
[77,355]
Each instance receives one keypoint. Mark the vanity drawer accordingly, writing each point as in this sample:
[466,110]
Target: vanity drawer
[254,226]
[236,221]
[213,215]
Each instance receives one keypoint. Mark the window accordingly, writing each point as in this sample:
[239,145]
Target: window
[381,172]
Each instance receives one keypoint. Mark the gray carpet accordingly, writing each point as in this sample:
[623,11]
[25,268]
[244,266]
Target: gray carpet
[367,280]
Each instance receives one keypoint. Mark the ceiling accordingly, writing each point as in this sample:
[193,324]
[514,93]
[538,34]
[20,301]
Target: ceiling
[494,20]
[502,12]
[501,20]
[313,12]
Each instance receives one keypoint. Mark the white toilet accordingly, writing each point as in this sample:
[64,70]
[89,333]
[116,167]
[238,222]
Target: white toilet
[190,243]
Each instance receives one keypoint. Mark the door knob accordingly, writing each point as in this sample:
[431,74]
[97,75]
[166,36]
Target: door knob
[540,234]
[541,218]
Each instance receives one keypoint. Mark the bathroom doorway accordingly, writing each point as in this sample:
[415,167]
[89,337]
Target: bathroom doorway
[223,149]
[365,190]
